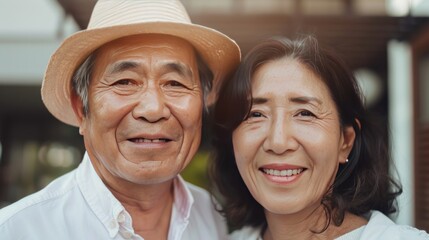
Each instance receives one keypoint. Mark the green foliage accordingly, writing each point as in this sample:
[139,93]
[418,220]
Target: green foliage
[196,171]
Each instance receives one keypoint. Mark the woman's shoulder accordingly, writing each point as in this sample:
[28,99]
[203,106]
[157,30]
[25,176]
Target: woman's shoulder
[381,227]
[246,233]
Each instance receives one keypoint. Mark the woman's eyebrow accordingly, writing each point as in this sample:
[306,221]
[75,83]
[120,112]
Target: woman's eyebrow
[300,100]
[256,101]
[305,100]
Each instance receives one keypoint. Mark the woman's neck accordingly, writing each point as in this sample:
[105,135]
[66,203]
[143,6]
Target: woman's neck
[308,225]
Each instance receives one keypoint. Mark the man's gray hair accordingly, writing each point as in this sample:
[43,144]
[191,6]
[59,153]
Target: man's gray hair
[82,78]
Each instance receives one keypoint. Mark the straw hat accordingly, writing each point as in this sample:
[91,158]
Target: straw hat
[113,19]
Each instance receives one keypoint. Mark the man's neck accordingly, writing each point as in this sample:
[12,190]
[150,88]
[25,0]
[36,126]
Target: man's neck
[150,207]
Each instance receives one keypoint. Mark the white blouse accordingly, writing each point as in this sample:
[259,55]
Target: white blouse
[379,227]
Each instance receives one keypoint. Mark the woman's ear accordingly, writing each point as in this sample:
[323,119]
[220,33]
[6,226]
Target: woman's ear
[349,136]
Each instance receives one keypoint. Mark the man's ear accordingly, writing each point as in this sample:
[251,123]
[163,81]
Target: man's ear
[77,105]
[349,136]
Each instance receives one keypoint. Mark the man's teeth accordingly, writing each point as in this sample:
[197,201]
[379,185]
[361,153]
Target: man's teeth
[282,173]
[145,140]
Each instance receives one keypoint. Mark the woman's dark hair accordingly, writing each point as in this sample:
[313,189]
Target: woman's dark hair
[361,185]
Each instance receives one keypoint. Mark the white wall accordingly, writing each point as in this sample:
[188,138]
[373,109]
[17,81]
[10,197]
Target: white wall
[401,124]
[30,31]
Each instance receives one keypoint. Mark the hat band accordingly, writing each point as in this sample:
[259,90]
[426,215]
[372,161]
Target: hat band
[115,12]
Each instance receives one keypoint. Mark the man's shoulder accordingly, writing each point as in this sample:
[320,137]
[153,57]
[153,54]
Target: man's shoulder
[197,192]
[202,198]
[205,218]
[41,201]
[204,202]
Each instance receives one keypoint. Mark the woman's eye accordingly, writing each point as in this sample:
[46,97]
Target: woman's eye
[306,113]
[255,115]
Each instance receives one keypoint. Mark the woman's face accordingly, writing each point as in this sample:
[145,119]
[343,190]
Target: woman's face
[289,148]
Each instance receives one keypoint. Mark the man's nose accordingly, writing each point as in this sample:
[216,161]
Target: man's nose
[151,105]
[280,136]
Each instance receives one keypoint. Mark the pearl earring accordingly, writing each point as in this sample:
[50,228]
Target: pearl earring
[347,160]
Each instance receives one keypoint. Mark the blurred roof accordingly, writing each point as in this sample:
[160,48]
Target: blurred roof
[30,31]
[358,29]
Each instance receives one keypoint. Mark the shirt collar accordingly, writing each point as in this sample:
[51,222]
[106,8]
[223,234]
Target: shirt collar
[183,199]
[181,212]
[99,198]
[110,211]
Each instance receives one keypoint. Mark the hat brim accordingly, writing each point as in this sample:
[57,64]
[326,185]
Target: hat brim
[221,54]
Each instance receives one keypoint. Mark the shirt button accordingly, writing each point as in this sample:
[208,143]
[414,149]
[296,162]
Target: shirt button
[121,218]
[126,235]
[112,224]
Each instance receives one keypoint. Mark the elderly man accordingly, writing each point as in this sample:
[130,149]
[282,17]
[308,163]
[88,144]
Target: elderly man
[135,83]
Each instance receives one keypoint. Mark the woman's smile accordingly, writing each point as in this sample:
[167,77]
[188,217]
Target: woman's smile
[282,173]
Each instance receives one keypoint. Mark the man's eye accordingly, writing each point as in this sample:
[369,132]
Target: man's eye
[174,83]
[123,82]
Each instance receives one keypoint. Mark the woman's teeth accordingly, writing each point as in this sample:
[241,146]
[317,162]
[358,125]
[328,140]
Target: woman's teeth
[282,173]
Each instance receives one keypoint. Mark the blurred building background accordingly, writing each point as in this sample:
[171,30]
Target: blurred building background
[386,43]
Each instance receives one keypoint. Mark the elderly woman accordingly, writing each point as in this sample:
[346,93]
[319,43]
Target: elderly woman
[296,156]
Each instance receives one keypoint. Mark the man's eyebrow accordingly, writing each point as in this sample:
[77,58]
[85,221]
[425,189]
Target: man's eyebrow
[305,100]
[178,67]
[122,66]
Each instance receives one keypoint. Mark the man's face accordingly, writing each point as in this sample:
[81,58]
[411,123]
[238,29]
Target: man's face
[145,109]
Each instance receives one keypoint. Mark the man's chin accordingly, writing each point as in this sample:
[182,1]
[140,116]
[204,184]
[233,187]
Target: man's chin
[152,179]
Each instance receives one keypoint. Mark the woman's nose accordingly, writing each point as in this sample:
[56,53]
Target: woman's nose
[281,137]
[151,105]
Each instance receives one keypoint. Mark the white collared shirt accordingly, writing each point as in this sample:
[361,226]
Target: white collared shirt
[79,206]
